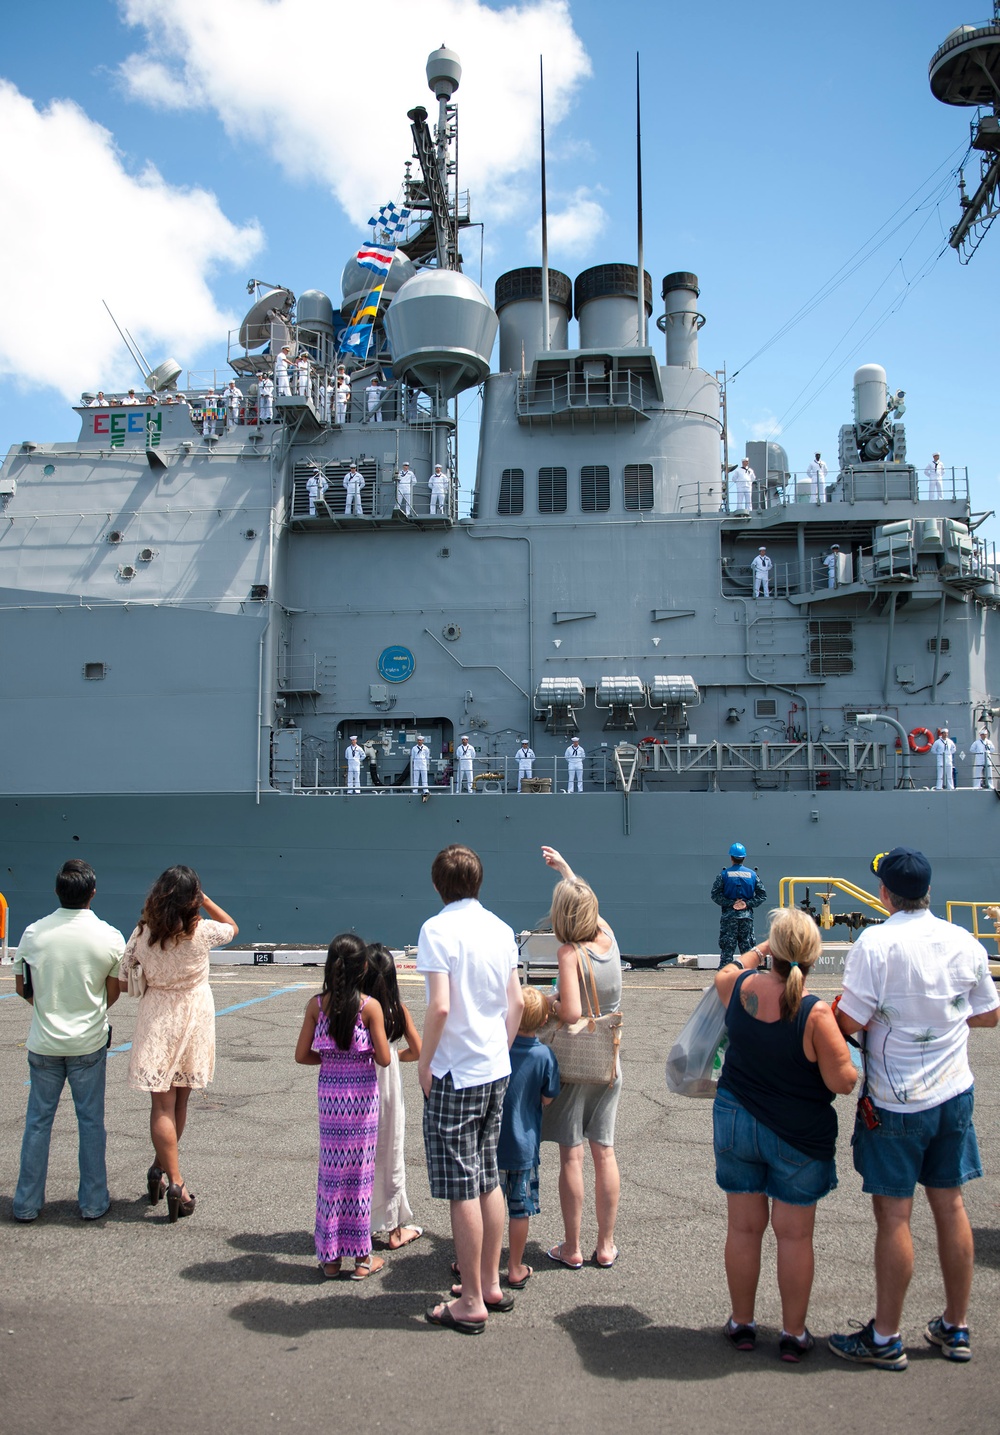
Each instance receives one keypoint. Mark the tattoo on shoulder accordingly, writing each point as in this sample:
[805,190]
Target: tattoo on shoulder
[749,1000]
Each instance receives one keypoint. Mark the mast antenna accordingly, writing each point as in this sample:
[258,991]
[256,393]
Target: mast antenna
[545,213]
[130,344]
[640,264]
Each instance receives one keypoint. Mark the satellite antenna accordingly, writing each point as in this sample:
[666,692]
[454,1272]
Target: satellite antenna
[965,70]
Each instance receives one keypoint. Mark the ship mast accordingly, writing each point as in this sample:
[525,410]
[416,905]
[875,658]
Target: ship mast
[965,70]
[444,73]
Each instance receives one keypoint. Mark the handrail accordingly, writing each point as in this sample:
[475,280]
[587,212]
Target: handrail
[993,936]
[786,891]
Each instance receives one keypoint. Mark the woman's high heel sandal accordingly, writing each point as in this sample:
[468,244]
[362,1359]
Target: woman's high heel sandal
[156,1184]
[176,1203]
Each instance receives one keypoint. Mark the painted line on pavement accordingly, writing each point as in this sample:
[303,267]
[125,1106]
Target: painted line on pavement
[253,1001]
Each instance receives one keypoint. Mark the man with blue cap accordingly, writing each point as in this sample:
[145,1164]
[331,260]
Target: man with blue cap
[912,989]
[737,890]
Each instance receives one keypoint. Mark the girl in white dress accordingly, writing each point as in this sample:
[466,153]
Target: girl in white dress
[391,1213]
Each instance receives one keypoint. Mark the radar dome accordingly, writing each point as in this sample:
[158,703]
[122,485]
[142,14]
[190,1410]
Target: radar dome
[356,281]
[441,329]
[443,73]
[313,310]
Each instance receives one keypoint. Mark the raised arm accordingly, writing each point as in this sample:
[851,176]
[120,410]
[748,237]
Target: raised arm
[557,860]
[215,914]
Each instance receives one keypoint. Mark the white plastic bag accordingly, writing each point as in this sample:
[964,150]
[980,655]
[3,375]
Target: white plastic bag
[694,1060]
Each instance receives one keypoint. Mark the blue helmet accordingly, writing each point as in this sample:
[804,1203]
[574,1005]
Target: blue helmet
[737,850]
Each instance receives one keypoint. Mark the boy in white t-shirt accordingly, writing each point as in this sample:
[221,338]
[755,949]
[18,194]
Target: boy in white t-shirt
[469,959]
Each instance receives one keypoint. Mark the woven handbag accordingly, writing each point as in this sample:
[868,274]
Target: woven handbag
[586,1050]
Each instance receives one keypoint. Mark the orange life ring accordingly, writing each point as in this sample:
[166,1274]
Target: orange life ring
[647,742]
[923,732]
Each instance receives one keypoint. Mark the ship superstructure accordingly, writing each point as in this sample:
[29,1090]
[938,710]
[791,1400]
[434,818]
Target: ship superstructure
[197,617]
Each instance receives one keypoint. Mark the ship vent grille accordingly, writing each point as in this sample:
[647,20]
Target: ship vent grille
[638,489]
[511,491]
[831,647]
[552,490]
[932,645]
[595,488]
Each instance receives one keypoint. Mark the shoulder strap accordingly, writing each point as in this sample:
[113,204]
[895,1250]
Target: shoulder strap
[582,956]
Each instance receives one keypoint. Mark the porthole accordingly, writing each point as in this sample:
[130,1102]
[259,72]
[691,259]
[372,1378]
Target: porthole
[49,470]
[146,555]
[127,571]
[94,672]
[451,631]
[115,536]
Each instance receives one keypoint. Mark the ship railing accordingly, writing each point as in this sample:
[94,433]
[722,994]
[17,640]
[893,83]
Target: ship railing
[849,757]
[989,911]
[888,483]
[552,394]
[378,497]
[787,887]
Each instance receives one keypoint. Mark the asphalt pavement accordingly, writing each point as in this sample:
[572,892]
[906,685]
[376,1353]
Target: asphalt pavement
[221,1323]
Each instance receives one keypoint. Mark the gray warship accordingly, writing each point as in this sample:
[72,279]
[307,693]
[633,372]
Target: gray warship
[198,613]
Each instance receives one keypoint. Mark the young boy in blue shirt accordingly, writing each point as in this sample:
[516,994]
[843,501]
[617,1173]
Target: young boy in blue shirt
[534,1082]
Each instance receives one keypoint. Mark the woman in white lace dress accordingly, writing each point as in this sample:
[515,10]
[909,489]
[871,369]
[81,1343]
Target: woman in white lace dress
[173,1048]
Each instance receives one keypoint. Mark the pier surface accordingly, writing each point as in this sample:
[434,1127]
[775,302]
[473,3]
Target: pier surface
[221,1323]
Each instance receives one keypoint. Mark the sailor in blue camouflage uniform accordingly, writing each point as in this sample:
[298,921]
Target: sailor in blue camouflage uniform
[737,890]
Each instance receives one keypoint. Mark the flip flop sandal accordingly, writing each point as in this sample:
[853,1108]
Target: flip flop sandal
[554,1255]
[418,1231]
[451,1322]
[520,1285]
[363,1269]
[504,1304]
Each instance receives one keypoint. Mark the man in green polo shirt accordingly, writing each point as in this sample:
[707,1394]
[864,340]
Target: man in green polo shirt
[73,960]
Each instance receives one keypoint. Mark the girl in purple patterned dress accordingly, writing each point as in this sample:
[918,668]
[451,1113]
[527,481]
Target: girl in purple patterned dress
[343,1033]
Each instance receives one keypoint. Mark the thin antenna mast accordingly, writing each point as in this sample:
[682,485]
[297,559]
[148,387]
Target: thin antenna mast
[130,346]
[638,208]
[545,215]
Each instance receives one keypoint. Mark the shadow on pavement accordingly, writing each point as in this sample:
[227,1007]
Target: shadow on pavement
[987,1240]
[409,1270]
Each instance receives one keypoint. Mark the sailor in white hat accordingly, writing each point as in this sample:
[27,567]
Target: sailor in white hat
[405,479]
[438,485]
[465,753]
[342,398]
[373,400]
[817,472]
[316,486]
[574,756]
[761,569]
[265,399]
[353,483]
[982,750]
[355,755]
[281,373]
[525,758]
[830,564]
[934,472]
[419,755]
[233,399]
[944,755]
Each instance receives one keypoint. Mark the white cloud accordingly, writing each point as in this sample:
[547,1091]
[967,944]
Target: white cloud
[767,427]
[325,88]
[572,230]
[87,230]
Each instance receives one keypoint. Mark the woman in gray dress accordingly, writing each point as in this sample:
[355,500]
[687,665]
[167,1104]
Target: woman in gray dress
[584,1112]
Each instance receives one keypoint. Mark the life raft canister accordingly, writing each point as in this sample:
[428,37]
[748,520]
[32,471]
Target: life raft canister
[917,733]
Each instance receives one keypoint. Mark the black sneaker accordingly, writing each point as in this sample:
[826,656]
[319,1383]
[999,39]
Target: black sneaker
[740,1337]
[863,1349]
[953,1340]
[793,1347]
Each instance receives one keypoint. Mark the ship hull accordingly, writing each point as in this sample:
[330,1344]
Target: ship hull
[296,869]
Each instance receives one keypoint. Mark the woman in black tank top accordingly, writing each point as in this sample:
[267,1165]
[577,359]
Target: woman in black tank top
[774,1124]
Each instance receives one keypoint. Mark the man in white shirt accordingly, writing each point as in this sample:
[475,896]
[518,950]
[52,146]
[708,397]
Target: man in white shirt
[302,367]
[934,473]
[73,959]
[982,750]
[741,482]
[316,486]
[232,398]
[914,986]
[468,958]
[265,400]
[943,749]
[373,400]
[466,755]
[281,382]
[761,569]
[438,485]
[342,395]
[355,755]
[353,484]
[419,755]
[830,564]
[405,479]
[525,762]
[130,397]
[574,756]
[817,475]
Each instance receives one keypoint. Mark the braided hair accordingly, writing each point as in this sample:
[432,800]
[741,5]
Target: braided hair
[340,998]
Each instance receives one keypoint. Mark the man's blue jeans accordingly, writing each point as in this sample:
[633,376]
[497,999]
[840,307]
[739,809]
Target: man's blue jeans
[86,1076]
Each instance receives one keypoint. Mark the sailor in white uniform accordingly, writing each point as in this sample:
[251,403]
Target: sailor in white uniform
[209,413]
[353,483]
[130,397]
[982,750]
[355,755]
[944,755]
[761,569]
[265,400]
[465,753]
[574,756]
[233,399]
[934,472]
[316,486]
[100,402]
[830,564]
[405,479]
[741,487]
[281,374]
[438,485]
[419,755]
[373,401]
[817,472]
[525,758]
[302,374]
[342,397]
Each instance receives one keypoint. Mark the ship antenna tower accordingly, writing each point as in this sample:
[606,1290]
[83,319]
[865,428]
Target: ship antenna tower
[437,166]
[965,70]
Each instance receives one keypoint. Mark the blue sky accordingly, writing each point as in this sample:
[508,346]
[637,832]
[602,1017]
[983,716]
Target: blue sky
[782,144]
